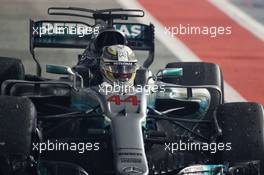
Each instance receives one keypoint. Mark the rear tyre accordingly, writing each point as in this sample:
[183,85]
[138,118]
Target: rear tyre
[242,125]
[17,124]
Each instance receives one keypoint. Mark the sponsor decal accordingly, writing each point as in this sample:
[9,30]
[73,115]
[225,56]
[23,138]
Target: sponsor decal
[131,31]
[204,170]
[133,170]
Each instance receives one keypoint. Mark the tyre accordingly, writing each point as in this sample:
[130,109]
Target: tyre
[200,73]
[17,124]
[11,68]
[242,125]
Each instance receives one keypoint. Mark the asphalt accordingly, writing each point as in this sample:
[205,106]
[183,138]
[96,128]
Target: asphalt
[253,8]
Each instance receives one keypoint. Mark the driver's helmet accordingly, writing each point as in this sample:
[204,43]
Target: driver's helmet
[119,64]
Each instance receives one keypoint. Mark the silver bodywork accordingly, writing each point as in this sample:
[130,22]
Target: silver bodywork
[126,126]
[126,122]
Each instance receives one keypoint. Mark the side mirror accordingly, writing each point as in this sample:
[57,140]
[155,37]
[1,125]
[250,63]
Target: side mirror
[58,69]
[170,72]
[65,70]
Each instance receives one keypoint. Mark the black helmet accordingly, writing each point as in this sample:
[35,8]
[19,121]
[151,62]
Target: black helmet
[109,37]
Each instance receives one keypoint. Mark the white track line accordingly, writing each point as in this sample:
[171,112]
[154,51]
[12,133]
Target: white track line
[240,17]
[178,48]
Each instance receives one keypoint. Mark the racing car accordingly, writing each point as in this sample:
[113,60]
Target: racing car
[177,124]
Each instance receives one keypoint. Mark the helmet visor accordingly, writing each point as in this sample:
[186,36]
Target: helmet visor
[121,67]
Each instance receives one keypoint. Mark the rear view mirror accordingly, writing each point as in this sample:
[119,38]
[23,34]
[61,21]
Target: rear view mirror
[66,70]
[170,72]
[58,69]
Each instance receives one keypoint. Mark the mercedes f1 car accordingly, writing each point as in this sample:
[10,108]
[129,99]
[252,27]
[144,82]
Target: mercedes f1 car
[69,126]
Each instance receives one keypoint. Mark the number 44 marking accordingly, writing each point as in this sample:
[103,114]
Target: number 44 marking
[130,99]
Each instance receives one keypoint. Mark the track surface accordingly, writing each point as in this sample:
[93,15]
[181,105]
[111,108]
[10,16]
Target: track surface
[241,57]
[240,54]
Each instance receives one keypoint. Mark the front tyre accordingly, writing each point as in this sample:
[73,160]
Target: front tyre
[17,125]
[242,125]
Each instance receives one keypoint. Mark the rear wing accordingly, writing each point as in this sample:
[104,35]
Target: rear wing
[76,34]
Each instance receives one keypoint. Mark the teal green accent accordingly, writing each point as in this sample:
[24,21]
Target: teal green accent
[82,105]
[212,168]
[203,106]
[56,69]
[151,100]
[206,170]
[172,72]
[132,31]
[150,124]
